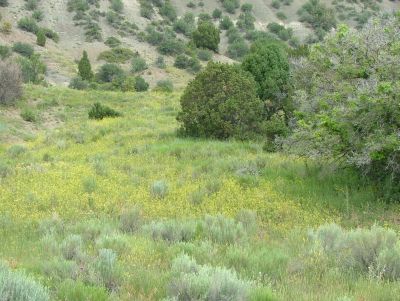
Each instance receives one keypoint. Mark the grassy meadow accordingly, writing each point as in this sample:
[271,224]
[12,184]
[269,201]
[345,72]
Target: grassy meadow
[118,209]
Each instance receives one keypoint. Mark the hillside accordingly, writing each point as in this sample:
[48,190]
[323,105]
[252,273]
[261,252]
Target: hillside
[60,57]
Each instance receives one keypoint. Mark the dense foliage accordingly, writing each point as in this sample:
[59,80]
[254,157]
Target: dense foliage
[99,111]
[84,67]
[206,36]
[348,102]
[221,102]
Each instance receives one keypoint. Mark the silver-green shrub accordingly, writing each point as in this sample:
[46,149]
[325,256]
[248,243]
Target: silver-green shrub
[18,287]
[192,281]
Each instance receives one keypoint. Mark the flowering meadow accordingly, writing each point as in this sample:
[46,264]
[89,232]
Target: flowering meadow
[125,209]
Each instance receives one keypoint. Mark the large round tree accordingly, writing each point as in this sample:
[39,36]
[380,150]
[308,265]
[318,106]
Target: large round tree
[269,65]
[221,102]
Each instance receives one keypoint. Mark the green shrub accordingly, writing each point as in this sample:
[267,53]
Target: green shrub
[172,231]
[23,49]
[276,4]
[140,84]
[51,34]
[78,291]
[59,268]
[99,111]
[106,270]
[160,62]
[221,102]
[109,72]
[168,11]
[16,151]
[115,242]
[206,36]
[217,13]
[116,55]
[339,118]
[28,24]
[40,38]
[71,247]
[146,9]
[138,64]
[318,15]
[164,86]
[117,5]
[269,65]
[3,3]
[220,229]
[31,4]
[185,24]
[131,221]
[33,69]
[225,23]
[281,15]
[18,287]
[112,42]
[38,15]
[78,83]
[202,282]
[231,5]
[204,54]
[374,251]
[246,7]
[85,68]
[5,52]
[10,82]
[171,46]
[159,189]
[204,17]
[246,21]
[28,115]
[237,49]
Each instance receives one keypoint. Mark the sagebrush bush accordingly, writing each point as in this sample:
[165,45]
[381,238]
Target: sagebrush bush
[60,269]
[5,52]
[112,42]
[202,282]
[109,72]
[116,55]
[28,24]
[10,82]
[18,287]
[164,86]
[131,220]
[172,230]
[106,271]
[78,83]
[113,241]
[373,251]
[223,230]
[159,189]
[71,247]
[221,102]
[23,49]
[138,64]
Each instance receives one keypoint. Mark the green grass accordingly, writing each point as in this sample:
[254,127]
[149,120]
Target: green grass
[80,175]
